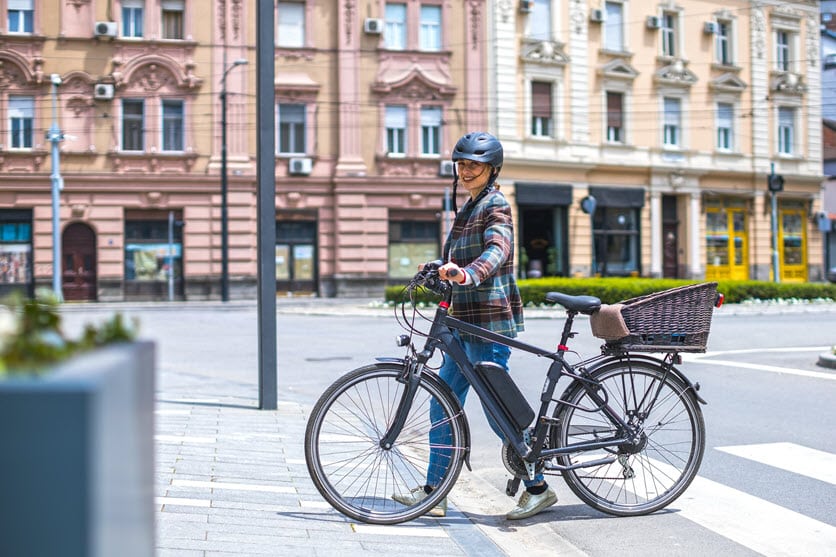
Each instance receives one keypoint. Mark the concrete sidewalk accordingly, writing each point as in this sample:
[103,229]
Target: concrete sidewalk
[232,480]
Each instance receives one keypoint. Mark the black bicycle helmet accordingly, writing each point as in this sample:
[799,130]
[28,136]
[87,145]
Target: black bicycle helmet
[479,147]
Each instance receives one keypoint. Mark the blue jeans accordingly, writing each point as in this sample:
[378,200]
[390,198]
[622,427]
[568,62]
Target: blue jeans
[440,436]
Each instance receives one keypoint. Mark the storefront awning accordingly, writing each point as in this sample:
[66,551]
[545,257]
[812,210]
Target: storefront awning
[618,196]
[543,194]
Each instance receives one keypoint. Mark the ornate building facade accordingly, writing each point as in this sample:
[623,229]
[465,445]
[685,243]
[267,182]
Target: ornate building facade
[638,135]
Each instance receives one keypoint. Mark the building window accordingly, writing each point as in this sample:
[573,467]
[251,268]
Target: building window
[615,117]
[541,109]
[133,124]
[786,130]
[291,25]
[672,122]
[172,18]
[429,32]
[132,11]
[412,242]
[148,253]
[396,130]
[394,31]
[21,16]
[669,34]
[15,248]
[725,127]
[540,20]
[616,237]
[782,51]
[430,130]
[291,126]
[723,43]
[21,121]
[614,26]
[172,125]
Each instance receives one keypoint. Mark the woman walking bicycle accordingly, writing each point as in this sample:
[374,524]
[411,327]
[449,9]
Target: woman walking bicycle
[479,262]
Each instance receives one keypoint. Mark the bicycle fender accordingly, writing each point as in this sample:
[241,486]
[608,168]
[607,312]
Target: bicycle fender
[442,385]
[689,385]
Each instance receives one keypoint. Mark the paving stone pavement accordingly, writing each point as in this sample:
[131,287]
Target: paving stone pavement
[232,480]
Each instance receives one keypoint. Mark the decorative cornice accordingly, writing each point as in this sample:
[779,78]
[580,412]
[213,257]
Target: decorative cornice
[618,69]
[727,83]
[675,74]
[788,83]
[548,53]
[415,85]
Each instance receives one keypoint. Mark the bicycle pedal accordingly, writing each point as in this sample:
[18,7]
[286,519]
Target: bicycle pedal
[512,487]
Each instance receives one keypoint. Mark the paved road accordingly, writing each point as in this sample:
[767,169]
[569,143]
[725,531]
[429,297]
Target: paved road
[766,485]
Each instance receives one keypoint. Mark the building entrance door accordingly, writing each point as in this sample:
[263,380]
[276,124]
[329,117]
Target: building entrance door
[296,257]
[78,249]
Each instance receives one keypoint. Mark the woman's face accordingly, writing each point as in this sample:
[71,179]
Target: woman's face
[473,175]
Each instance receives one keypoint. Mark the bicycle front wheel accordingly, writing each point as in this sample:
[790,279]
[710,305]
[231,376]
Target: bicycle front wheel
[650,473]
[360,478]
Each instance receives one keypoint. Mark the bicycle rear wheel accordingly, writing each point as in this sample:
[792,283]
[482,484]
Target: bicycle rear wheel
[354,473]
[651,473]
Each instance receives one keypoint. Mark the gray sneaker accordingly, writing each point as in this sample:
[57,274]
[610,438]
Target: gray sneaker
[417,495]
[529,504]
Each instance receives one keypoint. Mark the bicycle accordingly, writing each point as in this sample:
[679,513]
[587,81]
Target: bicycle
[627,433]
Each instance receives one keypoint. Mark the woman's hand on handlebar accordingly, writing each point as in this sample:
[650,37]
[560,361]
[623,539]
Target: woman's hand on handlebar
[451,272]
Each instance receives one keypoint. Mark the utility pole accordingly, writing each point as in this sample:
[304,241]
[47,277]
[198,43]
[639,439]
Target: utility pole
[224,219]
[54,136]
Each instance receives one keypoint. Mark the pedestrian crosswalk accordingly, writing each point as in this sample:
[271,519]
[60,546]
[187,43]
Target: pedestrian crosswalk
[819,465]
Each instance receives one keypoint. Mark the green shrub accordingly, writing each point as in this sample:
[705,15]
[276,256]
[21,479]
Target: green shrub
[611,290]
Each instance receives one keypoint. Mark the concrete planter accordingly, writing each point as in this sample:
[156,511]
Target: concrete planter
[77,457]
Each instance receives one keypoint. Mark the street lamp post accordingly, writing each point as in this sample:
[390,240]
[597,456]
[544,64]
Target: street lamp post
[55,136]
[224,220]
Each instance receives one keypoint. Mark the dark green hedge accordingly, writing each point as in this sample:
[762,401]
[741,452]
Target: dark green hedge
[611,290]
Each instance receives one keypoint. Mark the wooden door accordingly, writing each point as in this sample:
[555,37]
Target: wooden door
[78,250]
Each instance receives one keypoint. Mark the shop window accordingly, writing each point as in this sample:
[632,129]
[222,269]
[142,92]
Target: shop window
[412,242]
[15,250]
[148,253]
[616,238]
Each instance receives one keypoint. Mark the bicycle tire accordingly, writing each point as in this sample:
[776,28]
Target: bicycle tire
[647,476]
[342,444]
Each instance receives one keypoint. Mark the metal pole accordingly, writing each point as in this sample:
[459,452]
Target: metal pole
[776,274]
[54,136]
[224,218]
[266,204]
[171,256]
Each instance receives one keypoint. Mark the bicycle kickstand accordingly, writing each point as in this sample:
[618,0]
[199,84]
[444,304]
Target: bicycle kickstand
[512,486]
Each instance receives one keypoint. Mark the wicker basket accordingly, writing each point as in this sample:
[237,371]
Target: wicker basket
[678,320]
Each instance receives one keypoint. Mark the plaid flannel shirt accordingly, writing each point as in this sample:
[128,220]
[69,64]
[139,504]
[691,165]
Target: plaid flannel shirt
[481,242]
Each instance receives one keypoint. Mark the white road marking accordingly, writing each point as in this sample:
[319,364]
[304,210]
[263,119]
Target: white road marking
[761,526]
[819,465]
[233,486]
[707,359]
[170,412]
[400,531]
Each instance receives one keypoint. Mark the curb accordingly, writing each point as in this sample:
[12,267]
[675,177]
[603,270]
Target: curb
[827,360]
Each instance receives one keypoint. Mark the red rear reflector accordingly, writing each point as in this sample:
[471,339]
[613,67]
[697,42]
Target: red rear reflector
[718,301]
[562,347]
[443,304]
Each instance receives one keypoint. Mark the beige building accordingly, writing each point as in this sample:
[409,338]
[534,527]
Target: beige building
[670,115]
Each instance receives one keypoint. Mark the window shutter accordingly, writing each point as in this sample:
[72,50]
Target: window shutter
[615,102]
[541,99]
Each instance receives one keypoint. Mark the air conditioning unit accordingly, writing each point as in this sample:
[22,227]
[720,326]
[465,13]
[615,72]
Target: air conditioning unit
[103,91]
[653,22]
[526,6]
[299,166]
[105,29]
[373,26]
[709,28]
[596,16]
[445,169]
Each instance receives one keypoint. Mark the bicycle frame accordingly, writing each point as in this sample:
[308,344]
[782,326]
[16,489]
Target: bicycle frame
[441,337]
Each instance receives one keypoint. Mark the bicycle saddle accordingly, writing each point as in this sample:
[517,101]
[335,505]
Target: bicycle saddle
[581,304]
